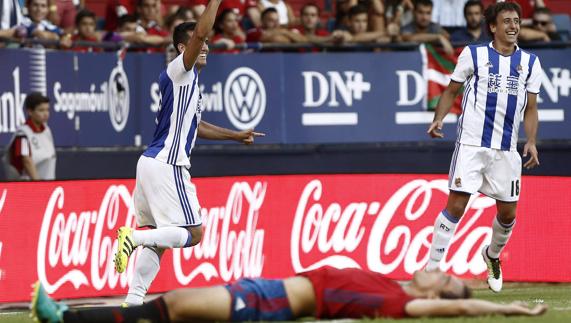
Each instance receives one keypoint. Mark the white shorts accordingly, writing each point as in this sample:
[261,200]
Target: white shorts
[495,173]
[164,195]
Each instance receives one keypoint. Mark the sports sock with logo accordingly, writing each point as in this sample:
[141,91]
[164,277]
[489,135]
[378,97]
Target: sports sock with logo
[154,311]
[500,235]
[163,238]
[444,228]
[146,269]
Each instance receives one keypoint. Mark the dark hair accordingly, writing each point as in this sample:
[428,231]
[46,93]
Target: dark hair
[180,34]
[220,19]
[34,99]
[181,11]
[426,3]
[542,10]
[140,3]
[268,11]
[472,3]
[466,293]
[125,19]
[310,4]
[494,10]
[357,10]
[84,13]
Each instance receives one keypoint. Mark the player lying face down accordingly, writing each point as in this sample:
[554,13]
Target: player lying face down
[322,293]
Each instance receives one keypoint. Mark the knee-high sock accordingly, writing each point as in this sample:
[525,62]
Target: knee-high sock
[155,312]
[163,238]
[444,228]
[146,269]
[500,235]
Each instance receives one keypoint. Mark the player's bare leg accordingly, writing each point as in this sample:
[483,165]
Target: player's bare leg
[199,304]
[502,228]
[444,227]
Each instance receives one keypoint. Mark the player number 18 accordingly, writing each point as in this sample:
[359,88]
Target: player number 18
[515,188]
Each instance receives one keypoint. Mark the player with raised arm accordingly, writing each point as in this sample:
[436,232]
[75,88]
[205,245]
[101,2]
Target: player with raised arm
[501,86]
[324,293]
[164,197]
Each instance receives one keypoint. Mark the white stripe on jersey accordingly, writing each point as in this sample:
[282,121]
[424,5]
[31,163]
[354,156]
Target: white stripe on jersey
[178,117]
[495,95]
[24,146]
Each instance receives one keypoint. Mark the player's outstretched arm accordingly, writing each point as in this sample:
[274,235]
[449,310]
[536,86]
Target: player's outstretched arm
[200,34]
[530,123]
[209,131]
[468,307]
[443,107]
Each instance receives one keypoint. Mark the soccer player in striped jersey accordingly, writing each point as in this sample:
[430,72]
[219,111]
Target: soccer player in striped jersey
[164,197]
[501,86]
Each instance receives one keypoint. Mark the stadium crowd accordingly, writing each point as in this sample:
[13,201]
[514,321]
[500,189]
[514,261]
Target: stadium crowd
[69,24]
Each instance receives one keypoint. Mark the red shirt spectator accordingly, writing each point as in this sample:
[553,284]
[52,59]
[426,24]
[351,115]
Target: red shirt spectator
[220,38]
[116,9]
[85,31]
[85,49]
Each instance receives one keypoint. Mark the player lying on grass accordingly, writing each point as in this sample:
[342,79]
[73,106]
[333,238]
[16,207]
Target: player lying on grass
[323,293]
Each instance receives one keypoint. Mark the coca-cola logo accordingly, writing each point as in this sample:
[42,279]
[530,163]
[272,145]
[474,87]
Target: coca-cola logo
[335,232]
[77,246]
[232,245]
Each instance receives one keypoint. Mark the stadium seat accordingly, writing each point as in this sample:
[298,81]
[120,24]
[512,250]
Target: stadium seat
[563,24]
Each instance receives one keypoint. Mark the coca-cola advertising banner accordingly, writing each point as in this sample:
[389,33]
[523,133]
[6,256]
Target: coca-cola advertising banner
[63,233]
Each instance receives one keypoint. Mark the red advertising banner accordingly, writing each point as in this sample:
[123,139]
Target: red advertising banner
[62,233]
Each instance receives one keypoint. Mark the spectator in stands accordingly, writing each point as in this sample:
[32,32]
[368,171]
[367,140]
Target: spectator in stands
[247,10]
[422,29]
[10,16]
[527,9]
[341,21]
[31,153]
[36,25]
[286,16]
[536,32]
[116,9]
[185,14]
[149,19]
[311,29]
[173,20]
[85,25]
[272,32]
[449,14]
[542,21]
[398,12]
[130,31]
[376,13]
[310,24]
[475,30]
[64,13]
[358,27]
[228,32]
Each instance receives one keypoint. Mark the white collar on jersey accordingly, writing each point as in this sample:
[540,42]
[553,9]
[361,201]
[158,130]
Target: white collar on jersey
[491,44]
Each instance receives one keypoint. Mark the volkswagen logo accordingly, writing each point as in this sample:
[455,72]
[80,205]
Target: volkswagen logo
[244,98]
[118,98]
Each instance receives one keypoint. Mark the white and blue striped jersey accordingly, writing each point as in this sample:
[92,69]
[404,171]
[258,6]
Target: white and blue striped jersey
[179,115]
[495,94]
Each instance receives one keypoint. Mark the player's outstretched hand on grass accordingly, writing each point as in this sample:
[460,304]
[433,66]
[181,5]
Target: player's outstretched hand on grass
[533,159]
[435,129]
[521,308]
[247,136]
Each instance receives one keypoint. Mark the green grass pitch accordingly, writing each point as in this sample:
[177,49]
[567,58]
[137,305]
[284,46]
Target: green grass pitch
[556,296]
